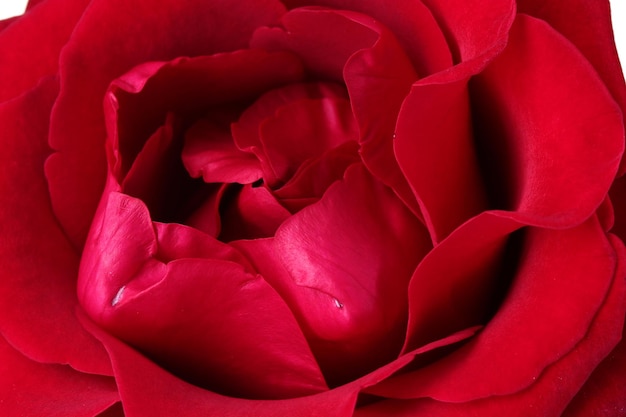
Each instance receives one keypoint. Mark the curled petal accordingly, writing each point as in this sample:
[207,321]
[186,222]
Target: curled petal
[576,266]
[522,118]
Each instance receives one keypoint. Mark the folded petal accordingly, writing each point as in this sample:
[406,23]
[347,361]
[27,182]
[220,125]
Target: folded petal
[587,24]
[38,265]
[530,330]
[208,320]
[475,30]
[549,151]
[304,130]
[458,284]
[249,212]
[249,130]
[29,388]
[435,148]
[344,272]
[94,57]
[413,24]
[30,47]
[210,152]
[168,395]
[552,390]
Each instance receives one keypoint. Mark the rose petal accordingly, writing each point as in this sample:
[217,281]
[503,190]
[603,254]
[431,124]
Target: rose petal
[210,152]
[246,131]
[5,23]
[435,149]
[33,3]
[29,388]
[250,213]
[94,57]
[37,289]
[618,198]
[304,130]
[158,178]
[177,241]
[467,266]
[139,101]
[475,30]
[344,272]
[550,393]
[168,395]
[603,392]
[412,23]
[190,313]
[574,266]
[325,50]
[587,24]
[313,178]
[521,120]
[221,328]
[30,47]
[116,410]
[376,71]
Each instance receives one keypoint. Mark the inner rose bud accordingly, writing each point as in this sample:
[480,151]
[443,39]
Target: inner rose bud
[240,241]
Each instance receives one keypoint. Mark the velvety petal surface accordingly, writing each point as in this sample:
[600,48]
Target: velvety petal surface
[167,395]
[458,283]
[574,266]
[30,47]
[552,390]
[587,24]
[475,30]
[313,178]
[213,86]
[344,272]
[304,130]
[29,388]
[412,22]
[250,213]
[210,152]
[372,64]
[94,57]
[248,131]
[38,265]
[522,117]
[207,319]
[435,149]
[603,392]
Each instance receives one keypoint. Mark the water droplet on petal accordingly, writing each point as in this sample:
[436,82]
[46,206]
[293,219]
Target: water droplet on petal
[337,303]
[118,296]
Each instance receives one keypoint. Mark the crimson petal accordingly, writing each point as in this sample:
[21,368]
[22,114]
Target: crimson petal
[344,272]
[29,388]
[412,22]
[39,266]
[587,24]
[250,213]
[305,129]
[554,388]
[45,30]
[466,266]
[210,152]
[581,265]
[475,30]
[94,57]
[435,149]
[523,116]
[190,313]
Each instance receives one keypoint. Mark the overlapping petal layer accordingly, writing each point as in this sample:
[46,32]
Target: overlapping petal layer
[39,266]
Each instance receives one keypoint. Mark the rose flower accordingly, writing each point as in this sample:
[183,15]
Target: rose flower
[311,208]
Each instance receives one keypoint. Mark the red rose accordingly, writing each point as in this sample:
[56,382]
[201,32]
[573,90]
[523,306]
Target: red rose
[311,208]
